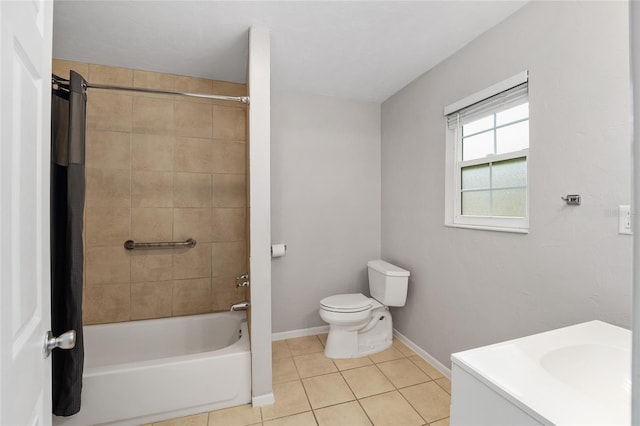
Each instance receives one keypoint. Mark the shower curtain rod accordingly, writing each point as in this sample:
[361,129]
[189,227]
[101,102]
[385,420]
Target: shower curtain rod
[243,99]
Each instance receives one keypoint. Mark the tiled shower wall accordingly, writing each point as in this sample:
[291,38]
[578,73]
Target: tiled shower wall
[162,168]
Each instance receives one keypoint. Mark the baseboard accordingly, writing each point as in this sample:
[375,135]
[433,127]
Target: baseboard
[261,400]
[422,353]
[300,333]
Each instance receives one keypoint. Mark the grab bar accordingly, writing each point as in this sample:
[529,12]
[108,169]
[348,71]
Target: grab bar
[130,244]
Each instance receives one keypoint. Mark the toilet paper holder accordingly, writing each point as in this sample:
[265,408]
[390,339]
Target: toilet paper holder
[278,250]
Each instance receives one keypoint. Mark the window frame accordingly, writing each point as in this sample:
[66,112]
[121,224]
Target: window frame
[454,165]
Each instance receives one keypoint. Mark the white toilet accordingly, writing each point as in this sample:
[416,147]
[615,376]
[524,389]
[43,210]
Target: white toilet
[361,325]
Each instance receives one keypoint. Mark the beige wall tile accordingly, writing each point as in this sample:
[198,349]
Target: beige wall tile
[106,265]
[193,155]
[227,88]
[429,369]
[152,115]
[329,389]
[106,225]
[108,150]
[192,262]
[191,296]
[280,349]
[228,224]
[302,419]
[429,400]
[151,265]
[229,157]
[192,223]
[193,120]
[228,259]
[151,300]
[195,420]
[290,399]
[347,414]
[313,364]
[152,224]
[284,370]
[386,355]
[367,381]
[304,345]
[106,303]
[390,409]
[61,68]
[229,190]
[108,111]
[153,80]
[193,85]
[349,363]
[151,152]
[192,190]
[229,123]
[242,415]
[402,372]
[107,188]
[225,293]
[151,189]
[103,74]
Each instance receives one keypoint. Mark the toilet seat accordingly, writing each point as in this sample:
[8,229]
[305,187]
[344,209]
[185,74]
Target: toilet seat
[347,303]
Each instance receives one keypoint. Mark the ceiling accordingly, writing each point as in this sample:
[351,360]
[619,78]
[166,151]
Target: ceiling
[363,50]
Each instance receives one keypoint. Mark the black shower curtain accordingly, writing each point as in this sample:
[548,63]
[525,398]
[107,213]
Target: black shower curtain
[68,113]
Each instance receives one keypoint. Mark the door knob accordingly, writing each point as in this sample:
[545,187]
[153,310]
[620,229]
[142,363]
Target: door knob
[64,341]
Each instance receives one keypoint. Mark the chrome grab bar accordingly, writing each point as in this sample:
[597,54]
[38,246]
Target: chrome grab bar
[130,244]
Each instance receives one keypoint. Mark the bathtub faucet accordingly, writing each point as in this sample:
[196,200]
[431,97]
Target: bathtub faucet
[242,306]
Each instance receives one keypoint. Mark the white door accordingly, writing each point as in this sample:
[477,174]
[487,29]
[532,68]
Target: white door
[25,105]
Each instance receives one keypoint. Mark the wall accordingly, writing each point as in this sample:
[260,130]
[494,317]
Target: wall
[325,204]
[470,288]
[162,168]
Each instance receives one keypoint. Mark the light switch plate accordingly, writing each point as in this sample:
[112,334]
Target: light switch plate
[624,219]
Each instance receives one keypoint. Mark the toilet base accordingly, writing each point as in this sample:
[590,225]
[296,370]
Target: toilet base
[352,342]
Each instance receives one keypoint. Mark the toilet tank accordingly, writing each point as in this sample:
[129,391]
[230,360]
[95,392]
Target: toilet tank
[388,283]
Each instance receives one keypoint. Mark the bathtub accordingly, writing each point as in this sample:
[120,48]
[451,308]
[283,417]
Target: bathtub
[144,371]
[578,375]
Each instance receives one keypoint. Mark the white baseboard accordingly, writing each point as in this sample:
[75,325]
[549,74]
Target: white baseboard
[423,354]
[261,400]
[300,333]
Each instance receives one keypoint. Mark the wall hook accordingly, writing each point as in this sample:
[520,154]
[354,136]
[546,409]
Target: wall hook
[572,200]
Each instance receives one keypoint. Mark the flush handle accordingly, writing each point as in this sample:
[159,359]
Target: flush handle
[64,341]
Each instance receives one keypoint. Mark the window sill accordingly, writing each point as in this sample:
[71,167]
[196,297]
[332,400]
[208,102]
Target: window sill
[488,228]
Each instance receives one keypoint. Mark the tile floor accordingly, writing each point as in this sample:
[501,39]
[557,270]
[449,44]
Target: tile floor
[395,387]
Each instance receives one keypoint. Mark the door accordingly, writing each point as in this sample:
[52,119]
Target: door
[25,104]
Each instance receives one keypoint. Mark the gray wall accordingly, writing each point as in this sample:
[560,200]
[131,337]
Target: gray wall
[469,287]
[325,201]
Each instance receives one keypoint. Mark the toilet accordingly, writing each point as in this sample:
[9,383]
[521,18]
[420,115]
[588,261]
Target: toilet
[361,325]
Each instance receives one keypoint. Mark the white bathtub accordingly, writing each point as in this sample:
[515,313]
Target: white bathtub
[578,375]
[144,371]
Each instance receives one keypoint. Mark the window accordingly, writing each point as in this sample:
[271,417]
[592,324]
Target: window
[487,158]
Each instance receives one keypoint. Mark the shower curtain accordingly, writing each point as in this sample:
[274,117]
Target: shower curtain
[68,116]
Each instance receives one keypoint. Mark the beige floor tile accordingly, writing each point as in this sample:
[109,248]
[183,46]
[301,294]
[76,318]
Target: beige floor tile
[443,422]
[390,409]
[329,389]
[402,348]
[323,338]
[429,399]
[403,372]
[348,414]
[290,399]
[196,420]
[445,384]
[304,345]
[367,381]
[284,370]
[349,363]
[426,367]
[304,419]
[386,355]
[235,416]
[314,364]
[279,349]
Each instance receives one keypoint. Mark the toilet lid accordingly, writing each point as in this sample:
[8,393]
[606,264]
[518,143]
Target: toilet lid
[354,302]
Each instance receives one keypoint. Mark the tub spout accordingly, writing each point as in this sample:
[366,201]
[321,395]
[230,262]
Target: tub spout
[242,306]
